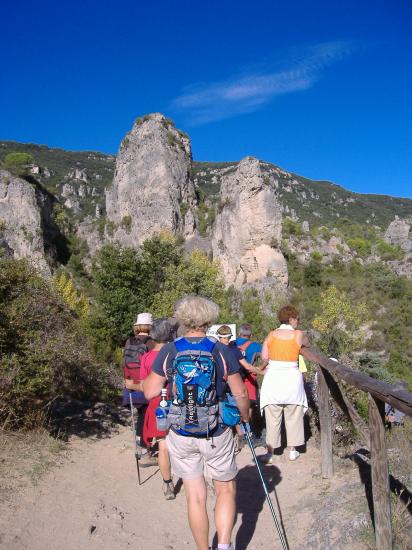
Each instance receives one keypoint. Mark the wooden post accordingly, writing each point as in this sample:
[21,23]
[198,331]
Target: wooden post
[325,425]
[380,477]
[348,409]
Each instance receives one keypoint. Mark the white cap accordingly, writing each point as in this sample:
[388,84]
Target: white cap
[144,319]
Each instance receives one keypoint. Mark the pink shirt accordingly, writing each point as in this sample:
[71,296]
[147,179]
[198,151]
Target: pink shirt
[146,362]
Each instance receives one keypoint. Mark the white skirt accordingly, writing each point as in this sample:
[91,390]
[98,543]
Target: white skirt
[283,385]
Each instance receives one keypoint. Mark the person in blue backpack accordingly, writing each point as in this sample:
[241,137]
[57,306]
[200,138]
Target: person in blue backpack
[199,370]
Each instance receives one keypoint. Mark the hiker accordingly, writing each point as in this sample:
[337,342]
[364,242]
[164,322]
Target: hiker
[162,332]
[224,334]
[252,351]
[198,442]
[395,417]
[282,391]
[137,345]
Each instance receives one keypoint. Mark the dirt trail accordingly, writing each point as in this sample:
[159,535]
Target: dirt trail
[92,501]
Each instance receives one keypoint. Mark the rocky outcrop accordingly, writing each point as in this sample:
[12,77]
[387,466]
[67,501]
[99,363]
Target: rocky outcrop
[151,190]
[248,226]
[22,224]
[398,234]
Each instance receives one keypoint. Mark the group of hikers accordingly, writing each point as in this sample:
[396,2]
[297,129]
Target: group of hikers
[196,396]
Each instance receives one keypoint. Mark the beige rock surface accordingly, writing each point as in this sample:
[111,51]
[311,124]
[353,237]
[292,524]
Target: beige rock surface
[249,222]
[20,211]
[151,182]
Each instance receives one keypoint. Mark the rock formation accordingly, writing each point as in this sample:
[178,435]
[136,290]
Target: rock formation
[151,190]
[248,226]
[21,220]
[398,233]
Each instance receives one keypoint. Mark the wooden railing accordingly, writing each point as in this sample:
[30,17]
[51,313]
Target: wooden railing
[373,436]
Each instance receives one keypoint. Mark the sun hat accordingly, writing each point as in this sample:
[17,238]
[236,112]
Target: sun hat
[144,319]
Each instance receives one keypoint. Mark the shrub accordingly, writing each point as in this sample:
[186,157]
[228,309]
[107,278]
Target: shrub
[361,246]
[171,139]
[184,207]
[45,353]
[338,323]
[17,161]
[291,227]
[126,223]
[389,252]
[316,256]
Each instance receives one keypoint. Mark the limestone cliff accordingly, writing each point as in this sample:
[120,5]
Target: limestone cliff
[151,190]
[398,234]
[248,225]
[22,225]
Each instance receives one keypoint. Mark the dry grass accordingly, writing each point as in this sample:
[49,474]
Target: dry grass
[399,444]
[25,457]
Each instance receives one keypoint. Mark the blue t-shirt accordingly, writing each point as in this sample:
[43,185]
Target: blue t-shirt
[220,353]
[251,350]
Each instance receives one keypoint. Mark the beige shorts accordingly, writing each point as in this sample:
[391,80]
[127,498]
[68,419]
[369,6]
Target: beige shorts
[192,457]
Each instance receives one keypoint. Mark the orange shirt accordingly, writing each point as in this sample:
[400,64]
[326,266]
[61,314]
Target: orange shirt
[283,350]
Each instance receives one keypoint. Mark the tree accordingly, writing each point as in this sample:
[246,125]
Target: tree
[45,351]
[195,274]
[17,161]
[339,322]
[75,300]
[122,290]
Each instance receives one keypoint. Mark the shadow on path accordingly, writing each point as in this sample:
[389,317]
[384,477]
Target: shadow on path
[395,486]
[251,498]
[84,419]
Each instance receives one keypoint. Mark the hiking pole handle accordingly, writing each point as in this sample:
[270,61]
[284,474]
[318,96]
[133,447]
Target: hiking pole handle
[282,537]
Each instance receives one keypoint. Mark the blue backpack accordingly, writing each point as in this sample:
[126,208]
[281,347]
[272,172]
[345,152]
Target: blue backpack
[194,408]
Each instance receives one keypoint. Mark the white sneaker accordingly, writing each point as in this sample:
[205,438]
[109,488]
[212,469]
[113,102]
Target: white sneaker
[293,455]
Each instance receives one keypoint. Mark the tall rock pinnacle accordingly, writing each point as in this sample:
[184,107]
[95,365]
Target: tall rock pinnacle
[151,190]
[248,227]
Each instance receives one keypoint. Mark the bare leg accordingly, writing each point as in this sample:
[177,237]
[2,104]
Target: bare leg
[164,461]
[196,495]
[225,509]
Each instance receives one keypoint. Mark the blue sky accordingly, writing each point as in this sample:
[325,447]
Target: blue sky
[320,88]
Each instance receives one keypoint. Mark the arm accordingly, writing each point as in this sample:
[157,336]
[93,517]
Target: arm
[249,367]
[239,392]
[134,386]
[265,349]
[152,385]
[304,343]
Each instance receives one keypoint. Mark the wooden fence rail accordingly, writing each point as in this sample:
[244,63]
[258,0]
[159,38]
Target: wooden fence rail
[372,435]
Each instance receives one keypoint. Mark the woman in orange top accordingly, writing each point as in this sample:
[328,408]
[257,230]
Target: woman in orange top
[282,392]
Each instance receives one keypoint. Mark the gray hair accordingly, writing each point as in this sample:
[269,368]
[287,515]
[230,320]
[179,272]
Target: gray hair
[245,330]
[196,312]
[161,331]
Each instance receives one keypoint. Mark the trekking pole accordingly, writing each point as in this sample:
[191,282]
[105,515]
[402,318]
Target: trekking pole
[136,453]
[275,519]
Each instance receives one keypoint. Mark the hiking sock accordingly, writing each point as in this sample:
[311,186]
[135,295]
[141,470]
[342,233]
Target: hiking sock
[167,481]
[224,546]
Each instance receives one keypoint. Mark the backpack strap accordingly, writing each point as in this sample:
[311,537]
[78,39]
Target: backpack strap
[224,367]
[245,345]
[205,344]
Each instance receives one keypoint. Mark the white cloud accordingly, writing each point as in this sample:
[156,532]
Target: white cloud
[249,91]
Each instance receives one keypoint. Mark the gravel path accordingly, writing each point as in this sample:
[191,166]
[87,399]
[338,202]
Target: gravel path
[92,501]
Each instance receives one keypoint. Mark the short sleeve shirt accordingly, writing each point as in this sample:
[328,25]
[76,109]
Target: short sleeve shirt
[251,350]
[225,361]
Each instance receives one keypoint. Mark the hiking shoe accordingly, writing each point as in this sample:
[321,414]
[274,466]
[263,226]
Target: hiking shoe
[147,460]
[266,458]
[169,490]
[293,455]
